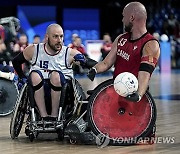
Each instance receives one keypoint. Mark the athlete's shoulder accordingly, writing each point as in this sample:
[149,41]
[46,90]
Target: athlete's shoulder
[152,44]
[149,36]
[39,46]
[125,35]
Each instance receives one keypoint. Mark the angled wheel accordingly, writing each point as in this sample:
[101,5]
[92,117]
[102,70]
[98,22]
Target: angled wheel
[79,96]
[80,90]
[19,112]
[74,95]
[8,95]
[120,121]
[31,137]
[72,141]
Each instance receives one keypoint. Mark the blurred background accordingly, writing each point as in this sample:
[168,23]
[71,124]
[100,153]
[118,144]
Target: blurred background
[89,26]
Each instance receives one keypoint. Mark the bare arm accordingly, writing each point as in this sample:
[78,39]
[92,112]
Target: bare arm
[109,60]
[73,52]
[28,52]
[152,50]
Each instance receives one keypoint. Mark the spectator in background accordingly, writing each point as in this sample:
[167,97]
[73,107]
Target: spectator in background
[19,47]
[21,44]
[106,48]
[177,54]
[2,45]
[77,44]
[2,50]
[72,39]
[171,27]
[156,36]
[36,39]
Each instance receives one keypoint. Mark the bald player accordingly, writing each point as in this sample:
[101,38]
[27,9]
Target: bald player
[135,51]
[51,67]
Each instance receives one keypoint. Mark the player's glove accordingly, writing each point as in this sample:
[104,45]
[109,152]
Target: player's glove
[135,97]
[91,74]
[80,58]
[21,82]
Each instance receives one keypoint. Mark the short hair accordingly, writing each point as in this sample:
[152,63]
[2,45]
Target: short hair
[36,35]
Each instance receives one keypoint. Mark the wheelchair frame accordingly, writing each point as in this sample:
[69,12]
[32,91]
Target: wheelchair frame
[33,126]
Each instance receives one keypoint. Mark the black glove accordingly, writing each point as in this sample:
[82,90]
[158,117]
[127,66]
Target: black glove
[135,97]
[91,74]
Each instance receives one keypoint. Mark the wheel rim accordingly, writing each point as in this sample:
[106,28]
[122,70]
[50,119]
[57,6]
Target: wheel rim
[18,114]
[116,117]
[18,123]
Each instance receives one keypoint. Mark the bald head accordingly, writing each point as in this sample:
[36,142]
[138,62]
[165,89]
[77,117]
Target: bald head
[134,18]
[137,9]
[54,37]
[51,28]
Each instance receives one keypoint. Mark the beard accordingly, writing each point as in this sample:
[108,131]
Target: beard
[128,28]
[53,47]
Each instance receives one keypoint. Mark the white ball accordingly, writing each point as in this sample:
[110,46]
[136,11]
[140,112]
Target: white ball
[125,84]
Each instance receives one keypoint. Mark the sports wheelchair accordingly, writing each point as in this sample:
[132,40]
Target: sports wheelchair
[72,96]
[109,117]
[115,120]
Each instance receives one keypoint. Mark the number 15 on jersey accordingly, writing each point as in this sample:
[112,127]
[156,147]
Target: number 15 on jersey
[44,64]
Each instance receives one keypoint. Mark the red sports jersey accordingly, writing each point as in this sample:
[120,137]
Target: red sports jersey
[129,52]
[79,48]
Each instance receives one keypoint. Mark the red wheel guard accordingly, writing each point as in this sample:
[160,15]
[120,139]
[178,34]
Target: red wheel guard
[117,117]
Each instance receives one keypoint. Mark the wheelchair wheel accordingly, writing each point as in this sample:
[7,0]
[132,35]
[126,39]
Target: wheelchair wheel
[79,90]
[19,111]
[121,122]
[74,94]
[8,95]
[60,133]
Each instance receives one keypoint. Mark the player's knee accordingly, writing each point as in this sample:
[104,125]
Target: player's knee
[55,79]
[36,80]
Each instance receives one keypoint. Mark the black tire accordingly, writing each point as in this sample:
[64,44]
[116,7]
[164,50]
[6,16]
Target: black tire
[8,95]
[31,137]
[19,112]
[60,133]
[110,116]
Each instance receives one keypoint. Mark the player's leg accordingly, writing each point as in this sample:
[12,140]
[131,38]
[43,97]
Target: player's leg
[57,80]
[38,89]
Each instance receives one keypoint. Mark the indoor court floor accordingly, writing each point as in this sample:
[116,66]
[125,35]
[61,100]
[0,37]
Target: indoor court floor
[165,88]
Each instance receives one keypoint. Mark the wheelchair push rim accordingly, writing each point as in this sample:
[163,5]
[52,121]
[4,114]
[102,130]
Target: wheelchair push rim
[121,121]
[19,112]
